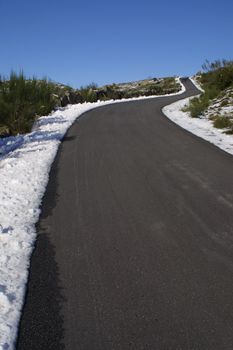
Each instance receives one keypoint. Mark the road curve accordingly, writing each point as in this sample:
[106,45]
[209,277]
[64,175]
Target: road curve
[135,240]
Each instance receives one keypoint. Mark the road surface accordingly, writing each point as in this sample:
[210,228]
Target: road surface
[135,240]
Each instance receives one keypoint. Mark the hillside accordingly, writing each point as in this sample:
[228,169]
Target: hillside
[210,115]
[23,100]
[146,87]
[216,101]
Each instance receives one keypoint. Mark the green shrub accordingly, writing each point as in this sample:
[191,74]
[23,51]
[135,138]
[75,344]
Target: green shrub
[222,122]
[217,77]
[170,84]
[218,74]
[197,106]
[91,96]
[22,100]
[88,94]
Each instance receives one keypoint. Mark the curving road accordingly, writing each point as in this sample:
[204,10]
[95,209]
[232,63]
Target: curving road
[135,244]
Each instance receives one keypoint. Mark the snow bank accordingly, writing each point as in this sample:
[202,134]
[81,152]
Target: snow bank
[25,163]
[202,127]
[195,82]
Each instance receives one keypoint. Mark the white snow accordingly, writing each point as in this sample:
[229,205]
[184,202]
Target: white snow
[25,163]
[202,127]
[195,82]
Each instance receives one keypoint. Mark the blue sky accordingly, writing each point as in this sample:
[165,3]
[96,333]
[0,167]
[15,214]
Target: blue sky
[79,42]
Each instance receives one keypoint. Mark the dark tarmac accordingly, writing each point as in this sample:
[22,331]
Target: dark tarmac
[135,240]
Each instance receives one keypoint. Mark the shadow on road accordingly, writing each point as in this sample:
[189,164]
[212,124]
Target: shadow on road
[42,320]
[44,287]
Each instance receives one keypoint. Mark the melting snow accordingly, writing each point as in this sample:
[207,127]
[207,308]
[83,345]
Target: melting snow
[202,127]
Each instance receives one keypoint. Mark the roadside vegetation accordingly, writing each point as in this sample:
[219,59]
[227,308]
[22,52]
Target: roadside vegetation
[147,87]
[217,100]
[23,100]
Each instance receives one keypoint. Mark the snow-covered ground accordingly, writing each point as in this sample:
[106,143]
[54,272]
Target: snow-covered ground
[222,106]
[203,126]
[25,162]
[195,82]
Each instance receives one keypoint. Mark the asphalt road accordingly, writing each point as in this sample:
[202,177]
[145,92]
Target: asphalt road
[135,244]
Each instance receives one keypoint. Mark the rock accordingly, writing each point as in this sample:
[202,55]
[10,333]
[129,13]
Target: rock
[64,100]
[75,97]
[71,97]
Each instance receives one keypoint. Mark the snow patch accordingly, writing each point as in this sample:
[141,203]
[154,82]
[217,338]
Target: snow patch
[202,127]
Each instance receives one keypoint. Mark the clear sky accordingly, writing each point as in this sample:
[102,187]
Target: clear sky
[104,41]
